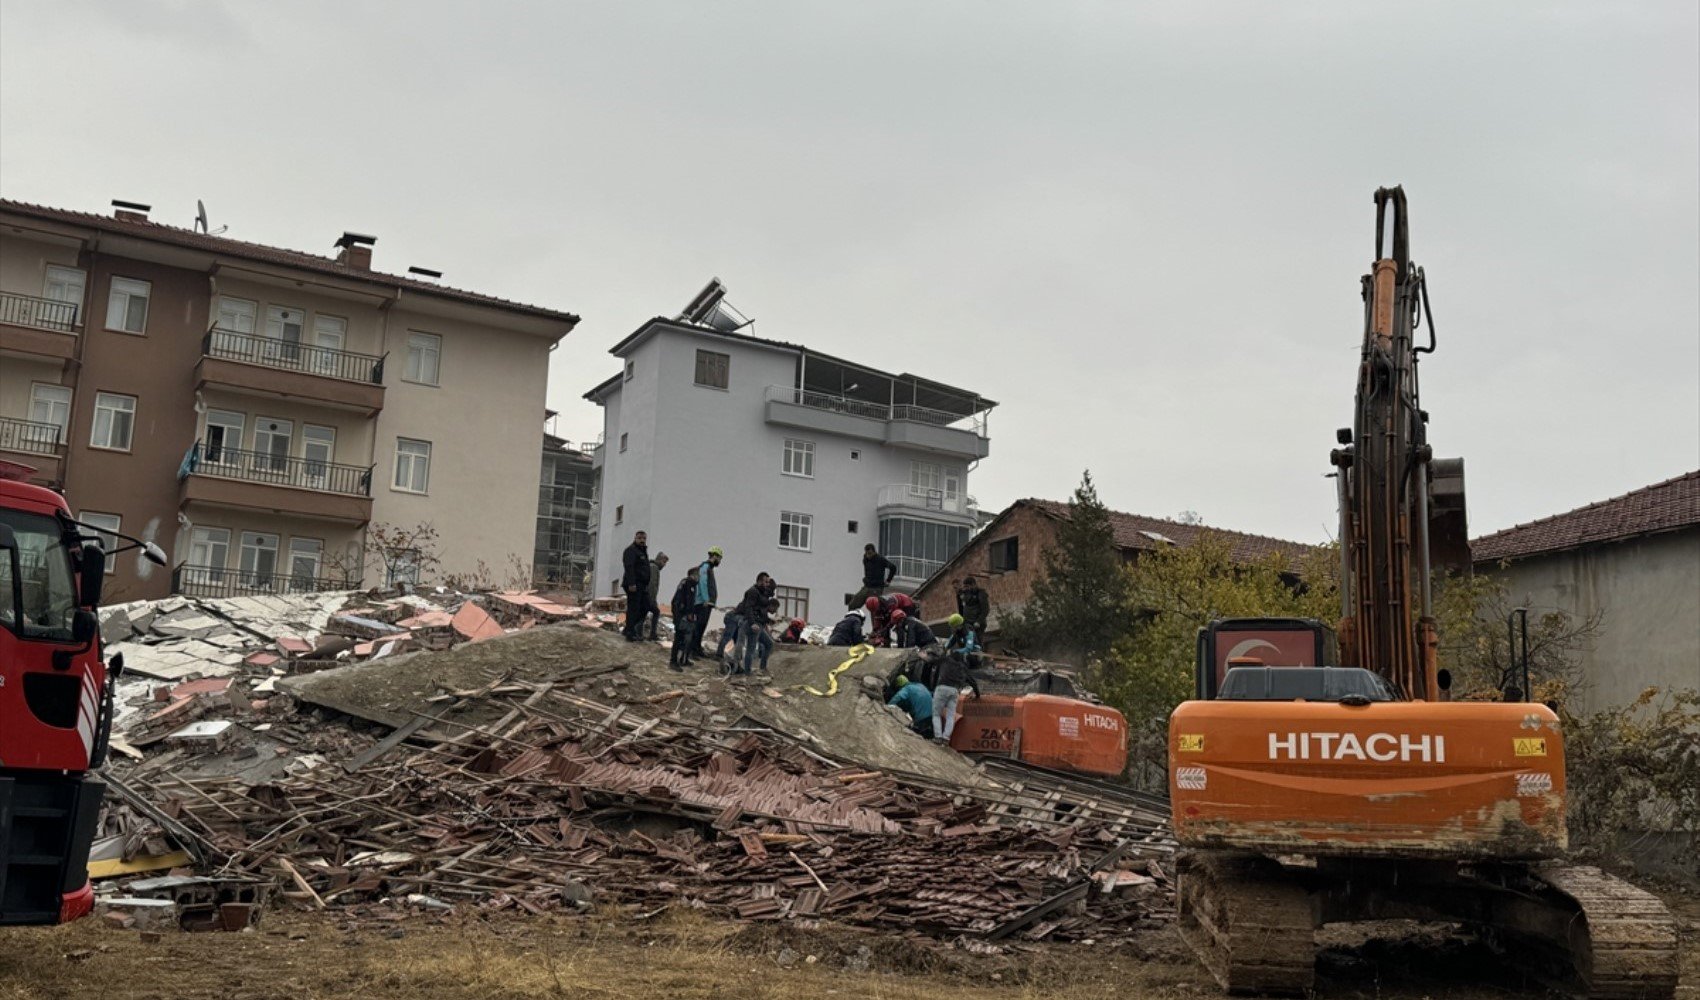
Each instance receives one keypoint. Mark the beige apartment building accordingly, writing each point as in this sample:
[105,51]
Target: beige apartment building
[254,410]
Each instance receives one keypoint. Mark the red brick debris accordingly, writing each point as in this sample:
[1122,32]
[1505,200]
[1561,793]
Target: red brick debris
[558,798]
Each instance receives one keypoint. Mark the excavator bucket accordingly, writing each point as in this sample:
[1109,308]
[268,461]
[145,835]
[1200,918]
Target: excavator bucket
[1448,527]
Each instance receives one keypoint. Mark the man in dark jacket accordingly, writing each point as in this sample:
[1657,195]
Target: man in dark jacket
[653,616]
[707,593]
[848,631]
[635,582]
[953,676]
[910,633]
[877,572]
[684,621]
[974,605]
[754,600]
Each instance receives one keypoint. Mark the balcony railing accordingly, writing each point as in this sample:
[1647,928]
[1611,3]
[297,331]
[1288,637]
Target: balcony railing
[875,411]
[291,356]
[218,581]
[31,310]
[30,437]
[921,498]
[279,470]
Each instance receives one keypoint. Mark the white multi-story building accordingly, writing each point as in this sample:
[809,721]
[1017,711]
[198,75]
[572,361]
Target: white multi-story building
[788,459]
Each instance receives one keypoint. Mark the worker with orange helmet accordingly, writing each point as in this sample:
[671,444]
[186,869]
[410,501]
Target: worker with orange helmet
[794,632]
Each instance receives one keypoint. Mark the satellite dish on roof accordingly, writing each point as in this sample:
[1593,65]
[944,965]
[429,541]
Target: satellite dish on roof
[201,224]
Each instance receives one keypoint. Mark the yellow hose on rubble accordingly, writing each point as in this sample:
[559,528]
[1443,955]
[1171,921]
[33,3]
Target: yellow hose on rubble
[857,655]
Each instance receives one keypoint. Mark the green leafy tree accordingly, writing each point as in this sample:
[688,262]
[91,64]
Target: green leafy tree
[1078,607]
[1176,591]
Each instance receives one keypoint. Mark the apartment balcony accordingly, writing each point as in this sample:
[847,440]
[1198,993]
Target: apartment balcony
[916,427]
[34,444]
[218,581]
[42,327]
[260,481]
[263,366]
[904,498]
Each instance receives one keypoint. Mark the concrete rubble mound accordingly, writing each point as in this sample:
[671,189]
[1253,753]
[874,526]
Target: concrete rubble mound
[522,756]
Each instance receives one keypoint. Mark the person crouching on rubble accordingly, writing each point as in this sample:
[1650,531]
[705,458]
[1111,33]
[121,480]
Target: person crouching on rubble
[793,633]
[962,636]
[684,621]
[912,697]
[910,633]
[848,631]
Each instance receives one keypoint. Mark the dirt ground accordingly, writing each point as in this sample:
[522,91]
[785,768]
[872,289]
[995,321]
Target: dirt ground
[682,955]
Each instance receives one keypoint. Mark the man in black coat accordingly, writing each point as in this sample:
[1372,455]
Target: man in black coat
[635,583]
[975,606]
[877,572]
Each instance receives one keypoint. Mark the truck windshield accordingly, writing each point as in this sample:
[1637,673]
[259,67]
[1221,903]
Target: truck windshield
[38,594]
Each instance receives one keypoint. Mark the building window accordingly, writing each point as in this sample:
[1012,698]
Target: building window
[923,476]
[793,602]
[50,404]
[799,458]
[330,334]
[106,523]
[631,369]
[424,356]
[127,305]
[794,530]
[1005,555]
[919,548]
[855,456]
[318,448]
[209,554]
[64,284]
[258,559]
[224,436]
[237,316]
[114,421]
[713,369]
[853,527]
[306,557]
[622,442]
[620,514]
[403,568]
[412,465]
[283,333]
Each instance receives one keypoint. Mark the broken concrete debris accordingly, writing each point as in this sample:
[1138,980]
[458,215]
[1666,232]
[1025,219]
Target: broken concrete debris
[538,769]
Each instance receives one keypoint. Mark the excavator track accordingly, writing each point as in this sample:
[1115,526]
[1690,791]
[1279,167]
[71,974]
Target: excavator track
[1250,921]
[1620,941]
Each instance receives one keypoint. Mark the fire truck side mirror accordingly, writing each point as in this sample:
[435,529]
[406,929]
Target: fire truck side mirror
[84,626]
[91,575]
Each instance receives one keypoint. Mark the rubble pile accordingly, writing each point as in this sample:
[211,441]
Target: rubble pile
[557,767]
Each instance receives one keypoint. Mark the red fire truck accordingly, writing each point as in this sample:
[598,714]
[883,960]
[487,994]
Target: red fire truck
[55,700]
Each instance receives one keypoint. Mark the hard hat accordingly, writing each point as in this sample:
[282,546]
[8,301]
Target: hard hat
[955,621]
[899,615]
[873,604]
[797,622]
[902,680]
[715,551]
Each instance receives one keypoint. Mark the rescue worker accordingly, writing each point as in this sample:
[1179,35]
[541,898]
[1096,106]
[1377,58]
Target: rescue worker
[877,573]
[793,633]
[848,631]
[757,633]
[684,621]
[974,605]
[953,676]
[963,638]
[754,600]
[910,633]
[914,699]
[877,621]
[707,594]
[635,582]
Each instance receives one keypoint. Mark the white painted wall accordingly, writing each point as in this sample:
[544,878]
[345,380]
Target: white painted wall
[703,467]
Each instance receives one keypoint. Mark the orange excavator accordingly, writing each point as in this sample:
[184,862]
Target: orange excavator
[1316,780]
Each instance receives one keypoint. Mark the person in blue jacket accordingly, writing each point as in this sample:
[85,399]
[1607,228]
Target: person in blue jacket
[914,698]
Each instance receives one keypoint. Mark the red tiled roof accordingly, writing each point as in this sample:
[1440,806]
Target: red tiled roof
[178,236]
[1666,506]
[1135,531]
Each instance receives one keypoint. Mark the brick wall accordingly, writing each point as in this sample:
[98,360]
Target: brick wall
[1036,533]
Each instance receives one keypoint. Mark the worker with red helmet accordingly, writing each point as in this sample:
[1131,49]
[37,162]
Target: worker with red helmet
[794,632]
[878,621]
[910,632]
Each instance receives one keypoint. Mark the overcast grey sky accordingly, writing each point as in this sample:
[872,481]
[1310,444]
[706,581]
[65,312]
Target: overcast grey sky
[1138,226]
